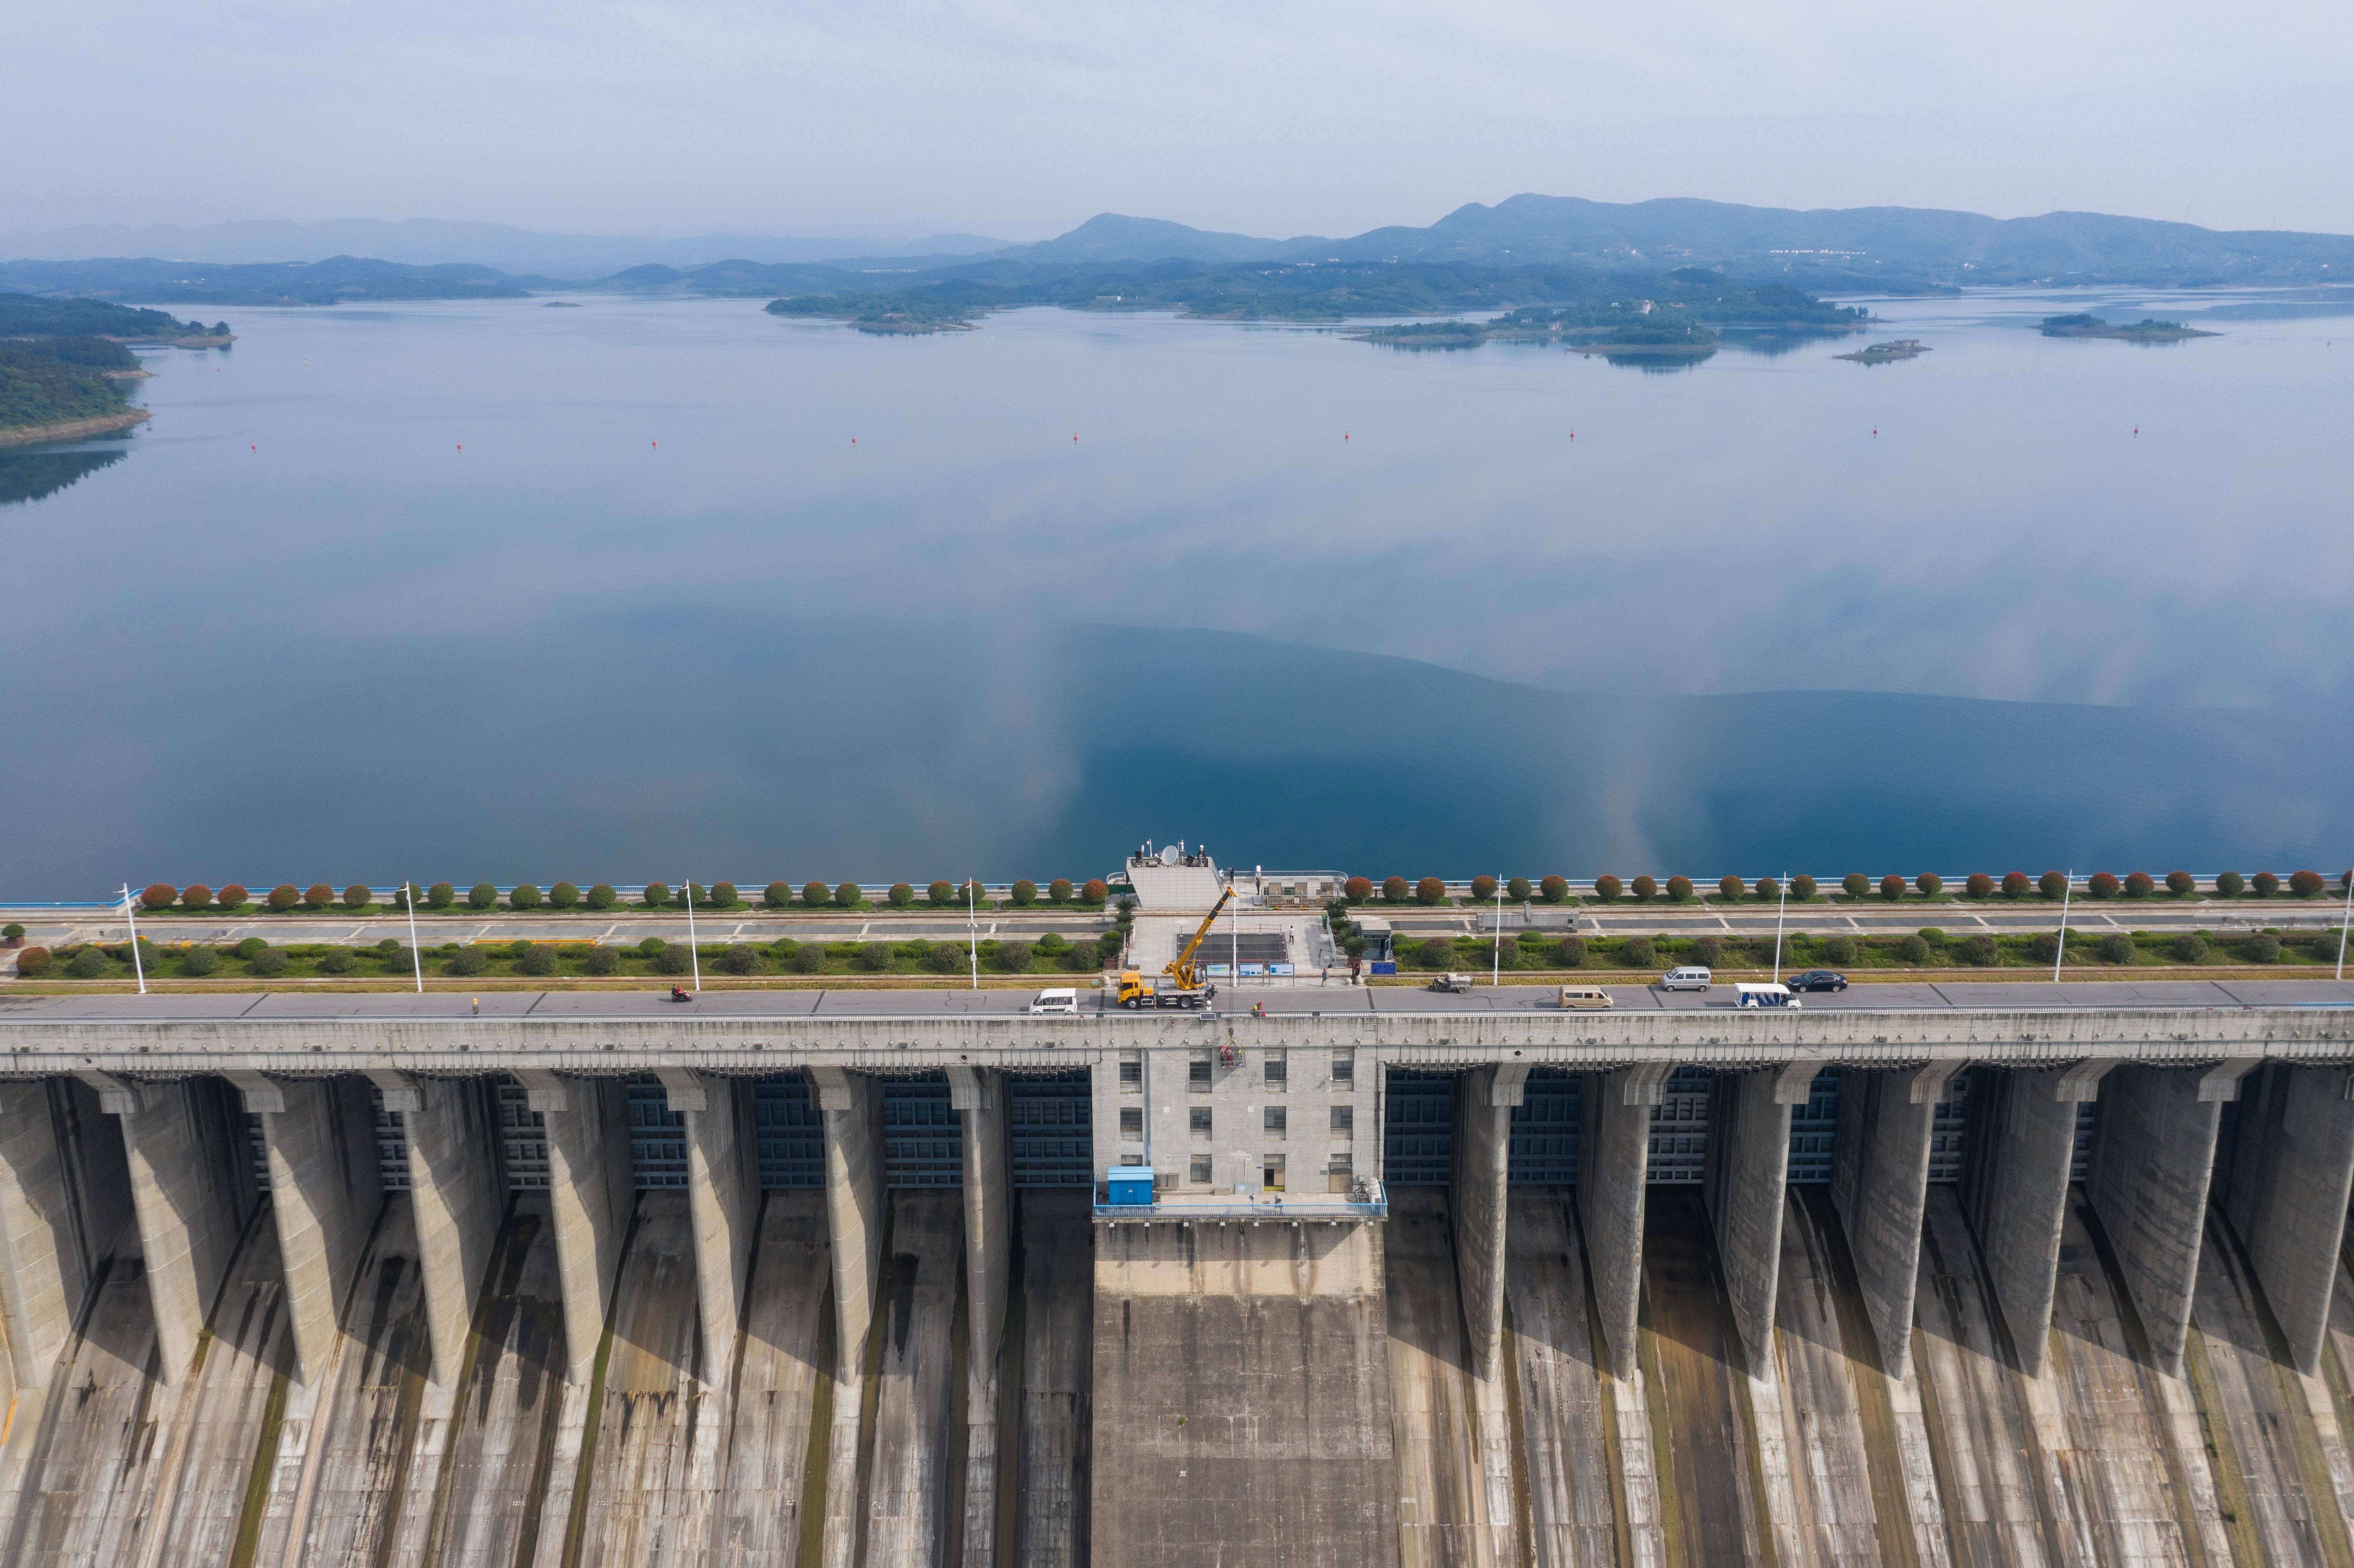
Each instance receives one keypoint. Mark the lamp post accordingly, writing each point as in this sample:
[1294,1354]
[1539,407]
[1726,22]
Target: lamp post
[2060,951]
[137,967]
[409,896]
[1779,907]
[2343,920]
[693,958]
[972,927]
[1496,956]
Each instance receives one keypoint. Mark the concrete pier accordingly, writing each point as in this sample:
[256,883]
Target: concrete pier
[850,1105]
[458,1201]
[1748,1165]
[1482,1157]
[2285,1192]
[1613,1162]
[724,1200]
[591,1191]
[2148,1183]
[765,1516]
[2023,1133]
[979,1098]
[1054,1418]
[1880,1185]
[325,1195]
[192,1189]
[65,1197]
[913,1464]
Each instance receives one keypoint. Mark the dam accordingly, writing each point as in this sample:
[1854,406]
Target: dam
[2024,1275]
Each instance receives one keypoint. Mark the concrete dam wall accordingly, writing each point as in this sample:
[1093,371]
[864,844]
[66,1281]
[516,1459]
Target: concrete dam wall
[1653,1317]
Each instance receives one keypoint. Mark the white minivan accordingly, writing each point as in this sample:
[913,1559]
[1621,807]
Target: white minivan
[1057,1001]
[1748,995]
[1686,977]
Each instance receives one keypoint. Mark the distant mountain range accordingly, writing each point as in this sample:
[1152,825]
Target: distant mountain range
[1824,250]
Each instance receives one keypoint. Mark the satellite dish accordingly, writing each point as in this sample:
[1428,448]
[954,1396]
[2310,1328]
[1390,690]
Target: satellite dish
[1169,855]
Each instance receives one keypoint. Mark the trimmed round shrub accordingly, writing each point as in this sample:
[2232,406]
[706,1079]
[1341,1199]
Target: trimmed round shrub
[251,946]
[12,931]
[538,960]
[197,962]
[695,895]
[740,958]
[1483,888]
[875,958]
[2181,884]
[1518,890]
[89,963]
[1933,937]
[657,894]
[1930,884]
[1093,891]
[1059,890]
[778,895]
[902,894]
[2304,884]
[1608,888]
[564,895]
[482,895]
[1553,889]
[1434,954]
[2052,885]
[809,959]
[2103,885]
[675,959]
[1430,891]
[1911,949]
[944,958]
[270,962]
[1838,949]
[1646,888]
[1570,952]
[976,896]
[1892,888]
[1709,951]
[1025,893]
[158,896]
[783,948]
[724,896]
[941,893]
[1053,942]
[440,895]
[333,961]
[1680,888]
[33,961]
[2139,884]
[2015,884]
[1636,953]
[232,897]
[2231,883]
[466,961]
[391,955]
[1768,890]
[1013,957]
[2043,946]
[1802,886]
[1979,885]
[356,896]
[1394,890]
[1730,888]
[1084,957]
[1978,948]
[284,896]
[196,895]
[1855,885]
[318,895]
[1357,889]
[2116,947]
[2190,948]
[2266,883]
[2263,949]
[651,948]
[525,897]
[603,896]
[602,961]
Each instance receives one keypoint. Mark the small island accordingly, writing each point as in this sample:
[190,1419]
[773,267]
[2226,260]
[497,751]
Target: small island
[61,389]
[1887,353]
[30,315]
[2146,330]
[902,312]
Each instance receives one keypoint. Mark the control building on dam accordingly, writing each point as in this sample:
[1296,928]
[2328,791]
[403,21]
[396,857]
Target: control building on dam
[592,1280]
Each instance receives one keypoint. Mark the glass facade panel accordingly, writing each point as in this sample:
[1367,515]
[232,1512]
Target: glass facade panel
[923,1140]
[1051,1146]
[1417,1128]
[391,1144]
[1949,1127]
[1814,1126]
[1544,1128]
[657,1135]
[522,1134]
[1680,1128]
[790,1131]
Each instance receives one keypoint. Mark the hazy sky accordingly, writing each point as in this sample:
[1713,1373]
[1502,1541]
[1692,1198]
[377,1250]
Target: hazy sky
[1280,117]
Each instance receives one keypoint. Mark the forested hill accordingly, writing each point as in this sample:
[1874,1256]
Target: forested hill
[336,279]
[26,315]
[41,389]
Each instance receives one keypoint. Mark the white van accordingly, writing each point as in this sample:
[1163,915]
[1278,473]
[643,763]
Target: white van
[1748,995]
[1686,977]
[1057,1001]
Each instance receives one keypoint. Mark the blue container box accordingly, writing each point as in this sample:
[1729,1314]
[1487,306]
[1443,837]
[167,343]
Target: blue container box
[1131,1185]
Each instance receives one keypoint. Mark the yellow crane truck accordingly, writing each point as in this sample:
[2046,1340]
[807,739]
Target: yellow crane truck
[1180,984]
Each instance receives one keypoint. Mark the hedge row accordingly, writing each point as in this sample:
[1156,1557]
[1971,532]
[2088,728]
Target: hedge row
[1928,885]
[286,898]
[1928,945]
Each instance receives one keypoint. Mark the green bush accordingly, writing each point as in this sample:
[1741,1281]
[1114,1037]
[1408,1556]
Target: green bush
[249,947]
[466,961]
[268,964]
[777,894]
[1680,888]
[318,895]
[198,962]
[284,896]
[1768,890]
[1855,885]
[941,893]
[741,959]
[1707,950]
[1553,888]
[944,958]
[1646,888]
[809,959]
[2181,884]
[355,896]
[723,895]
[2103,885]
[391,955]
[538,961]
[1911,949]
[695,895]
[525,897]
[1570,953]
[1980,949]
[1430,891]
[2052,885]
[1892,888]
[1731,889]
[1059,890]
[902,894]
[1838,949]
[2266,883]
[2231,884]
[1933,937]
[2043,946]
[482,895]
[676,959]
[1636,953]
[603,896]
[1930,884]
[657,895]
[1083,956]
[783,948]
[2263,949]
[333,961]
[2116,947]
[1434,954]
[1979,885]
[874,957]
[1608,888]
[845,896]
[440,895]
[2190,948]
[2138,884]
[31,962]
[1053,943]
[2304,884]
[1013,957]
[1518,890]
[1025,893]
[197,896]
[233,896]
[1483,887]
[1802,886]
[602,961]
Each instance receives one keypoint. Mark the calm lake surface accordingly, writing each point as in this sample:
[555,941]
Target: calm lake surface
[497,590]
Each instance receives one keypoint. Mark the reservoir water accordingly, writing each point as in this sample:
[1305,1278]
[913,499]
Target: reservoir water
[657,588]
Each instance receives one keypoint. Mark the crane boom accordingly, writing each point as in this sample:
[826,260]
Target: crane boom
[1183,970]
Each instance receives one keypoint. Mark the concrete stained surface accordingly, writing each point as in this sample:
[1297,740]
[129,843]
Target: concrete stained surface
[1451,1432]
[1565,1394]
[916,1455]
[1056,1414]
[762,1512]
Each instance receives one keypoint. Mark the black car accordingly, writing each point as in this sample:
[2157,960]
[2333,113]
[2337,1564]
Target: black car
[1817,980]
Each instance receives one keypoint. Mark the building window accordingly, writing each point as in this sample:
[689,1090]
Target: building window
[1344,1066]
[1200,1117]
[1278,1069]
[1339,1174]
[1344,1119]
[1197,1072]
[1199,1172]
[1131,1123]
[1271,1171]
[1275,1115]
[1131,1071]
[1131,1159]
